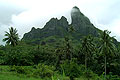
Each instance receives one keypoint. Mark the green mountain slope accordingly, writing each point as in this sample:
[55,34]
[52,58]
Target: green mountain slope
[55,30]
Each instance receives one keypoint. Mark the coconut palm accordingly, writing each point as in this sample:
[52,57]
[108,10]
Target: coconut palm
[12,37]
[107,46]
[68,49]
[87,48]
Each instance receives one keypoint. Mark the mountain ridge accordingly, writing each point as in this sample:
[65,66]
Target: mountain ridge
[59,28]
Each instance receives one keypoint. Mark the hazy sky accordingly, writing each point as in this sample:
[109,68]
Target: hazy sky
[24,14]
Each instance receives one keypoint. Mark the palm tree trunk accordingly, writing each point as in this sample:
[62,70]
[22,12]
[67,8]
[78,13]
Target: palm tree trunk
[105,67]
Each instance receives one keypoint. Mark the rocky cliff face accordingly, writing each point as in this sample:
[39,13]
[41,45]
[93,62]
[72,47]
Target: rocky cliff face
[55,27]
[81,23]
[76,15]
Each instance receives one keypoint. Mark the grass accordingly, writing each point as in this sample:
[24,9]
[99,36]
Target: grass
[7,76]
[4,68]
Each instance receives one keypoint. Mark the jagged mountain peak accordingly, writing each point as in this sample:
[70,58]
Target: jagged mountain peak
[81,23]
[63,18]
[76,12]
[55,23]
[75,9]
[33,29]
[76,15]
[59,27]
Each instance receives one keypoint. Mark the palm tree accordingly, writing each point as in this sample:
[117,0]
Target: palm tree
[12,37]
[107,46]
[87,48]
[68,49]
[60,56]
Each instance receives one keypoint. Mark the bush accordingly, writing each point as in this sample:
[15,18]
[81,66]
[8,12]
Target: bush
[18,56]
[43,71]
[2,55]
[71,69]
[112,77]
[19,69]
[90,75]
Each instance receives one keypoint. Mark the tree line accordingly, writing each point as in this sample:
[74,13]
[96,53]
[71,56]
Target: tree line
[99,54]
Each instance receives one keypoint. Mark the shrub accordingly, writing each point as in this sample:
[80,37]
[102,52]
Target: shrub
[2,55]
[112,77]
[18,56]
[90,75]
[19,69]
[43,71]
[71,69]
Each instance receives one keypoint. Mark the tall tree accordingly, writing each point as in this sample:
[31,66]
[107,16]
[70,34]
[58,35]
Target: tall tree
[87,48]
[59,53]
[68,49]
[107,46]
[12,37]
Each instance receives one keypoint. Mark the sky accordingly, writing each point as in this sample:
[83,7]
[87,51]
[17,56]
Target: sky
[25,14]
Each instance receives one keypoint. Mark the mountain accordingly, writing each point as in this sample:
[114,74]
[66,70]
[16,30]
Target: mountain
[57,29]
[81,23]
[54,27]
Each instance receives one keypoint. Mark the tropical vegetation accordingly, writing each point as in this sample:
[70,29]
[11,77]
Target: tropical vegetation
[61,51]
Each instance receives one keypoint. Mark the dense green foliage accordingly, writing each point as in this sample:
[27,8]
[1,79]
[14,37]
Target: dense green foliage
[61,51]
[85,59]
